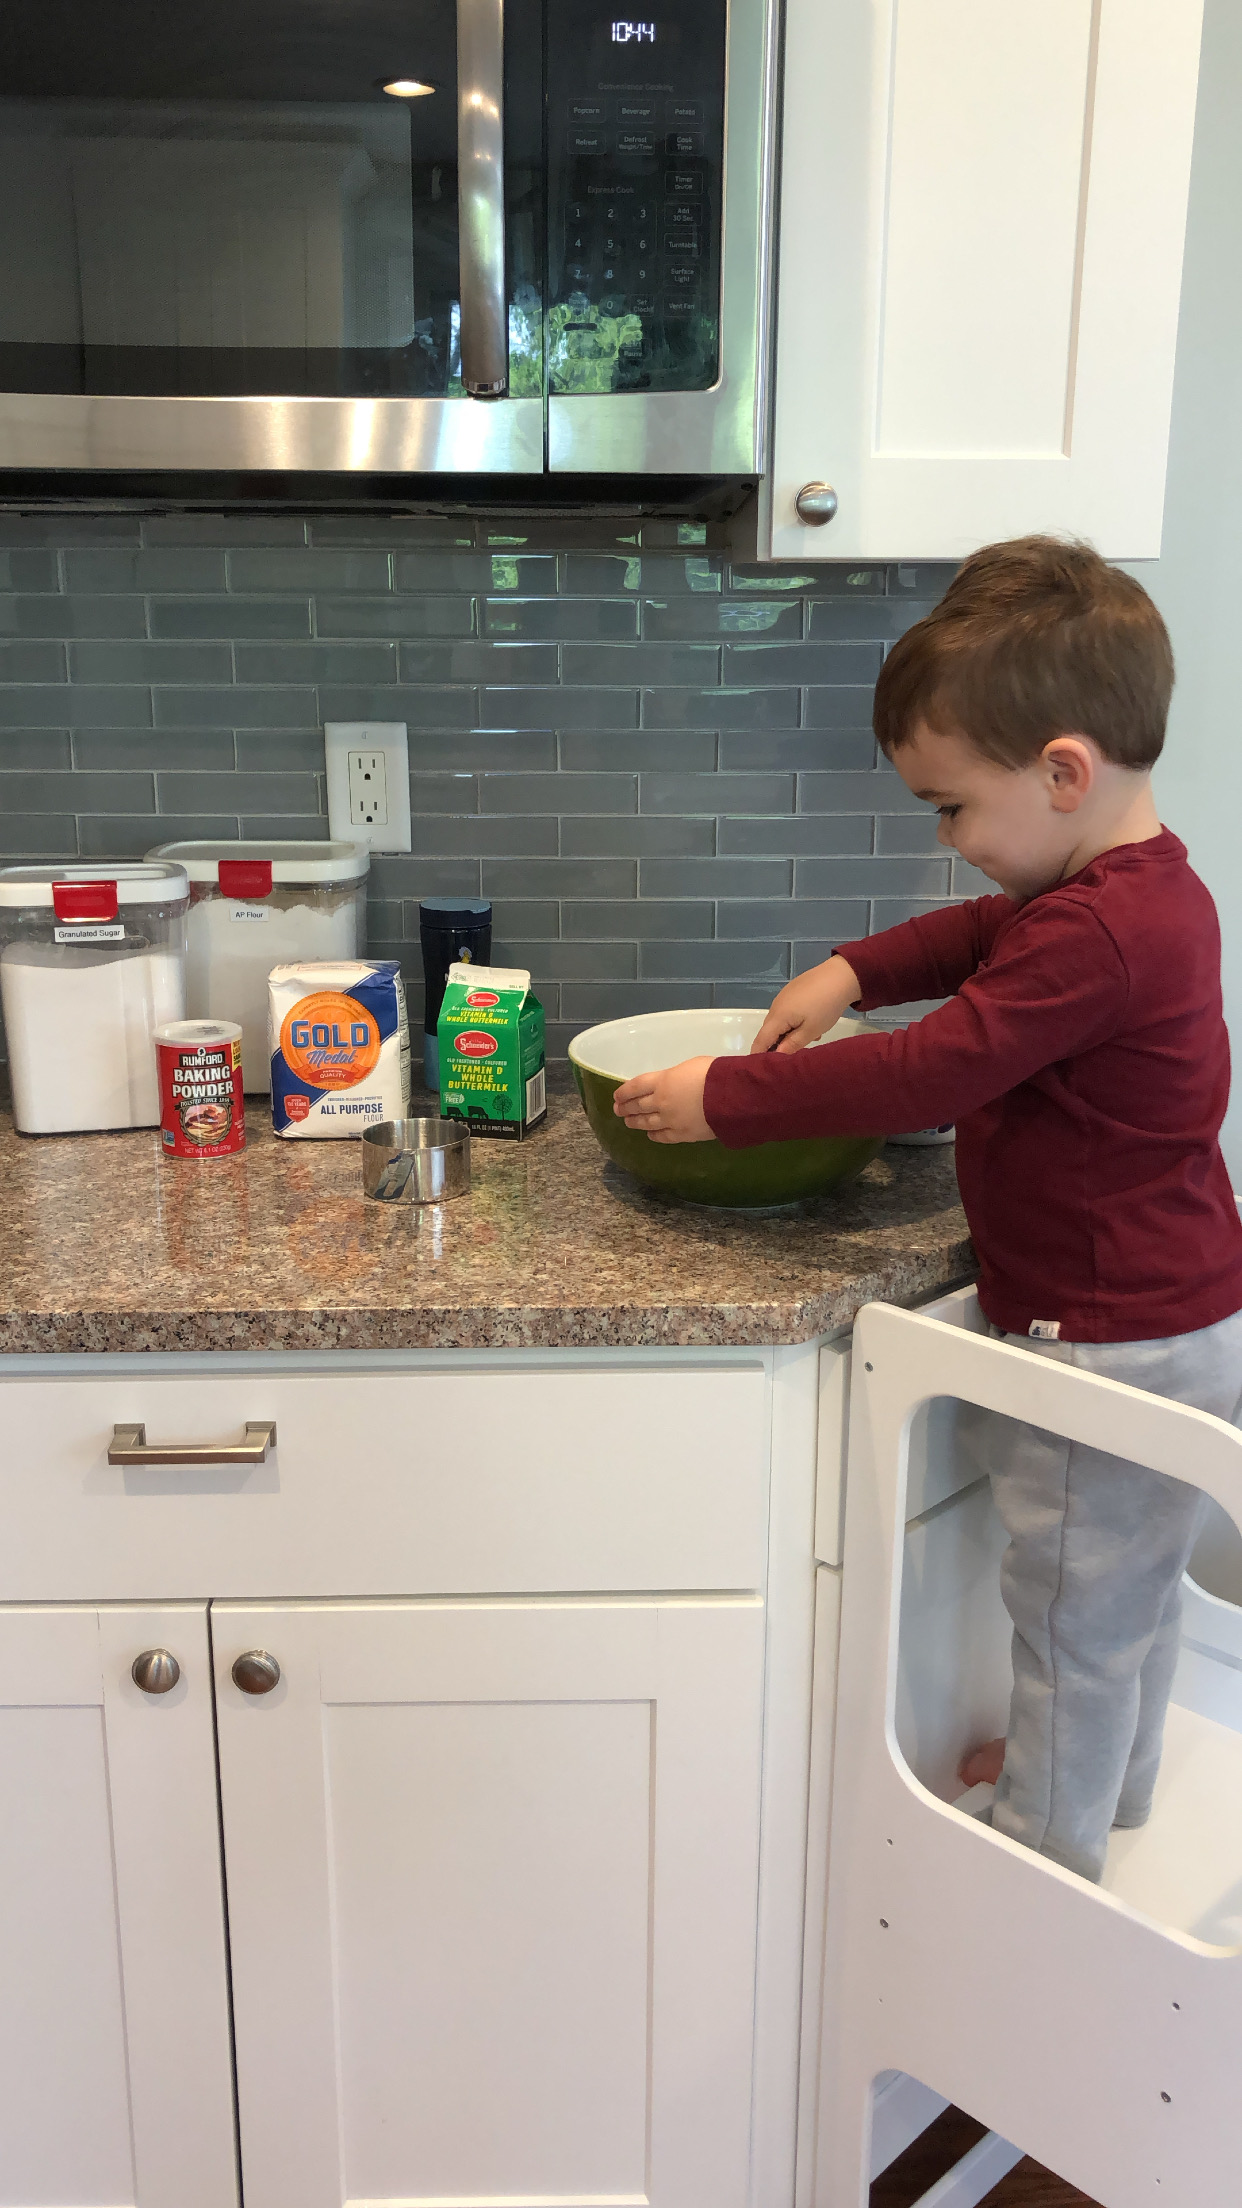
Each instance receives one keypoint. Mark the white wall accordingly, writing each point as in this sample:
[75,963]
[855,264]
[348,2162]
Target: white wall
[1197,582]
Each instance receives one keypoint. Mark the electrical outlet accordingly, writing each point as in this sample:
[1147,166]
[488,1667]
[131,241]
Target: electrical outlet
[368,788]
[369,783]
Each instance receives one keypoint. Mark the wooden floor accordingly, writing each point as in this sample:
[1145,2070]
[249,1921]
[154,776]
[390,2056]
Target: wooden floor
[943,2144]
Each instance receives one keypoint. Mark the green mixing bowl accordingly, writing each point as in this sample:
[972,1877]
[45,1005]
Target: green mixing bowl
[705,1172]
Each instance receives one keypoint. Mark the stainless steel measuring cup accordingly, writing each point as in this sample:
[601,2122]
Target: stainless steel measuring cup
[423,1160]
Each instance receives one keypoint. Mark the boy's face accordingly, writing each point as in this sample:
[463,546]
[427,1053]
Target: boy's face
[1013,823]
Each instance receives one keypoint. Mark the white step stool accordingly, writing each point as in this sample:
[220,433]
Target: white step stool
[1098,2028]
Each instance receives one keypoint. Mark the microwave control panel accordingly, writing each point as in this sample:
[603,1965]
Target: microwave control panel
[635,170]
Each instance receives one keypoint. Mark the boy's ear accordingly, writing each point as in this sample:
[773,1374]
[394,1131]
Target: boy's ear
[1070,764]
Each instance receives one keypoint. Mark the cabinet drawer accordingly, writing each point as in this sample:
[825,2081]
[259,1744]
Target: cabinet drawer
[435,1482]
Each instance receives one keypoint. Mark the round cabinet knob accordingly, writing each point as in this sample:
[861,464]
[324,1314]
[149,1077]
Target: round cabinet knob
[256,1672]
[156,1671]
[816,504]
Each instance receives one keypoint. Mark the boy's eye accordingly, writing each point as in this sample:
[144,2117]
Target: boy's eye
[948,812]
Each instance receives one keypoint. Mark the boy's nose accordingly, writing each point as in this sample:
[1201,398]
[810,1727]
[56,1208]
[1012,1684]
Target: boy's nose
[944,831]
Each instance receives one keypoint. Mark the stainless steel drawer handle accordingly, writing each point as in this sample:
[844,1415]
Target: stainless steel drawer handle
[255,1672]
[156,1671]
[129,1445]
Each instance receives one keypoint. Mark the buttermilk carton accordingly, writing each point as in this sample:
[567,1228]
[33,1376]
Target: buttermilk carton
[492,1051]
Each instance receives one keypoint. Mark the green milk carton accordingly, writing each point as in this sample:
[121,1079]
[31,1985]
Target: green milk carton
[492,1051]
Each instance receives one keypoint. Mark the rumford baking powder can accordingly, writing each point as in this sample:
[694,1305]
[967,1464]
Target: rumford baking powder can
[202,1114]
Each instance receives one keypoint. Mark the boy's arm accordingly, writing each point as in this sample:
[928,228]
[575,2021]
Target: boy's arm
[1056,986]
[929,956]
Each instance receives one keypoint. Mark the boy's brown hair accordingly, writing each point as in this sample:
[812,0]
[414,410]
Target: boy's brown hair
[1033,639]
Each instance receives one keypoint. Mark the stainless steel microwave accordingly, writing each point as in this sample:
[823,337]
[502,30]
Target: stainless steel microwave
[285,241]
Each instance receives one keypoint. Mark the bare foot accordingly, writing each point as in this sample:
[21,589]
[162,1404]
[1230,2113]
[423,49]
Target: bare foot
[982,1767]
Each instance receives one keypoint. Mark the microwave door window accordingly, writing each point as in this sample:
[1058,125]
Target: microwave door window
[227,201]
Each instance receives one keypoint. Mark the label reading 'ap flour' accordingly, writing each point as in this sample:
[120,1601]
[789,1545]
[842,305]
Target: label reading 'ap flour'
[340,1046]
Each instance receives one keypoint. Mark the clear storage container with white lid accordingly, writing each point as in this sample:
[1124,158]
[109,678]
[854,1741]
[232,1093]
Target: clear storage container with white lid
[92,961]
[257,905]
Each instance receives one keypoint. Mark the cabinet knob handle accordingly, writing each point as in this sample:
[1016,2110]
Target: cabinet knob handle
[156,1671]
[816,504]
[256,1672]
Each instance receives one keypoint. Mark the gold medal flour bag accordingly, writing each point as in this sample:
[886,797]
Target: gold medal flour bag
[340,1046]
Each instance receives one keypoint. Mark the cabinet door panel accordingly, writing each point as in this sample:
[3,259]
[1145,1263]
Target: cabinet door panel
[492,1877]
[115,2068]
[980,266]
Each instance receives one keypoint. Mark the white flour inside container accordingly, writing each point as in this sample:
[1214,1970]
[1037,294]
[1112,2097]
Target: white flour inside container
[233,943]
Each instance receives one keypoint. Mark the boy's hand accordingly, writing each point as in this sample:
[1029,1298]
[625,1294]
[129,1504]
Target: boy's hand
[668,1106]
[808,1007]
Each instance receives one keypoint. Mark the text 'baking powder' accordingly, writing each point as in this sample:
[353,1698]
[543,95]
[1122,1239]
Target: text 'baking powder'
[202,1109]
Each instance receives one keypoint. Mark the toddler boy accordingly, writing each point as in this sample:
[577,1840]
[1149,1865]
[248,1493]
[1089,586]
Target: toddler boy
[1082,1054]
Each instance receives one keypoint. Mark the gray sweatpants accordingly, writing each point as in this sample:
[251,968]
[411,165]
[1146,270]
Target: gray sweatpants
[1092,1581]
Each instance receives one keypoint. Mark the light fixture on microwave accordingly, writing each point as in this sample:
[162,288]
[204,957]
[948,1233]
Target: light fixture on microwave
[407,88]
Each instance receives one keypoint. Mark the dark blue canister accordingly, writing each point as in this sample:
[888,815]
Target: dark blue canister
[452,930]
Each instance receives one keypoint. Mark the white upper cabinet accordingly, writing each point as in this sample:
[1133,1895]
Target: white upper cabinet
[983,209]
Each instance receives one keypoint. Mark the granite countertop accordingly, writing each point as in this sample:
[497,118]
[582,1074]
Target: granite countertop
[107,1245]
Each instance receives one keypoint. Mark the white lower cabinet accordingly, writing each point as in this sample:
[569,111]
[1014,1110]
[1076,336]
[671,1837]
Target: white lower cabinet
[471,1908]
[115,2073]
[492,1892]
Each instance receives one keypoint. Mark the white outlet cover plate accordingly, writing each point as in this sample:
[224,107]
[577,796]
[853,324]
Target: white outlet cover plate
[390,737]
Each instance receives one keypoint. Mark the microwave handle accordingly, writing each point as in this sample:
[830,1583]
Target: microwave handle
[481,197]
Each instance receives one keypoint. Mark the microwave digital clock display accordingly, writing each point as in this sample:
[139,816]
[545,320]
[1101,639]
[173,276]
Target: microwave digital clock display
[642,33]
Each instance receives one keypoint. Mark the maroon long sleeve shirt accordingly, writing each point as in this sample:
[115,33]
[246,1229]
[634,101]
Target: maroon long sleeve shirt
[1084,1058]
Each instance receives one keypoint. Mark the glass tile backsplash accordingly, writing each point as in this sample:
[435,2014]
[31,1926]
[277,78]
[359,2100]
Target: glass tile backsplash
[657,761]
